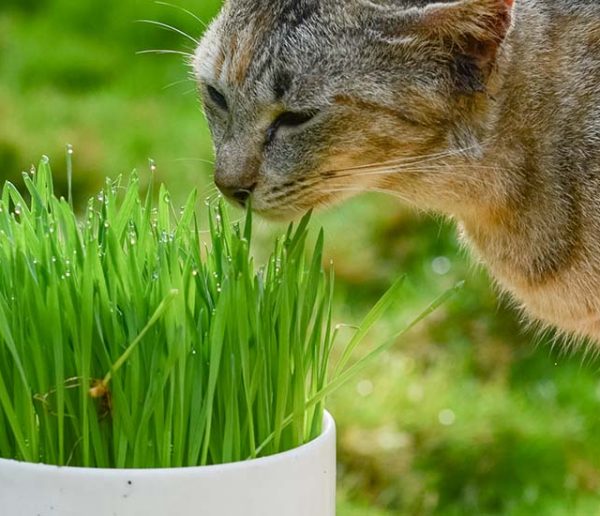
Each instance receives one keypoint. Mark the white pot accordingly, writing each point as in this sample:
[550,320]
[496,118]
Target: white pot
[300,482]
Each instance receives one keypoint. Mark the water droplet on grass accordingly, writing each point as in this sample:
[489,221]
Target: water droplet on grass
[441,265]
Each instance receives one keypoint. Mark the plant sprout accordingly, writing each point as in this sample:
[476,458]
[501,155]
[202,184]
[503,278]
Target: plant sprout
[126,342]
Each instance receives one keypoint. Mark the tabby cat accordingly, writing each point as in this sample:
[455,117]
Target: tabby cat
[485,110]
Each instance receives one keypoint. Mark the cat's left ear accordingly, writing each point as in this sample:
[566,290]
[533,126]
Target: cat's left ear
[475,28]
[472,30]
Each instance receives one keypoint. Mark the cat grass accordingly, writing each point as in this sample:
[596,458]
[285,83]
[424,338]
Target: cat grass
[130,339]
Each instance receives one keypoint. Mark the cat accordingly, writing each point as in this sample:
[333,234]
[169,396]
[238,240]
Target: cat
[487,111]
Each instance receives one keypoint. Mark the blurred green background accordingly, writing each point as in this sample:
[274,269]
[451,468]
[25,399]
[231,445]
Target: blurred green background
[469,414]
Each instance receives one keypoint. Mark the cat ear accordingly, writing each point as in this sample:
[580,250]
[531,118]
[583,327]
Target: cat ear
[475,27]
[473,31]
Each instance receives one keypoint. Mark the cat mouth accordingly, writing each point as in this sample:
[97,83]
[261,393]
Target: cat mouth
[279,214]
[295,207]
[285,211]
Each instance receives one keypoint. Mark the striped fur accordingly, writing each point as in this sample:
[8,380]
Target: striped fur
[485,110]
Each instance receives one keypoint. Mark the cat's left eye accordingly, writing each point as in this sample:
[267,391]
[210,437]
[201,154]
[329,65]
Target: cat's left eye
[289,119]
[217,97]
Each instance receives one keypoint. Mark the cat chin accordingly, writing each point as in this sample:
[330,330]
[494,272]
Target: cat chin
[278,214]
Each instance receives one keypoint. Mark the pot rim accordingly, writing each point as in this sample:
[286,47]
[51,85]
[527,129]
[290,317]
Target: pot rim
[327,433]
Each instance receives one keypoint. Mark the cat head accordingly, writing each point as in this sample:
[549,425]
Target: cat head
[312,101]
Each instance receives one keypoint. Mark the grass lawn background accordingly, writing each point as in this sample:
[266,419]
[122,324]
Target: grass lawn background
[469,415]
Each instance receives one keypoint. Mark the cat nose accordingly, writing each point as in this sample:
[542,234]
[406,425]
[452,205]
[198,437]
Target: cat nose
[239,193]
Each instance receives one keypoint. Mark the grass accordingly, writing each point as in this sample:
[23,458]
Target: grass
[123,344]
[521,408]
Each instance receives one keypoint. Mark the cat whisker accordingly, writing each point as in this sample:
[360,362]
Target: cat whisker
[170,28]
[411,160]
[406,169]
[198,160]
[176,83]
[300,186]
[165,52]
[374,190]
[212,198]
[187,11]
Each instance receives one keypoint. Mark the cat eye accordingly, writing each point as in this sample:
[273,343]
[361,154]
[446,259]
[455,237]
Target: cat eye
[289,119]
[217,97]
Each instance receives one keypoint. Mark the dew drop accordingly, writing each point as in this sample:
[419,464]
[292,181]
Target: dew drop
[441,265]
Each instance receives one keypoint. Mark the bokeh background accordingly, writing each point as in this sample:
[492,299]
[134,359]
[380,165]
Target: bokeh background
[468,414]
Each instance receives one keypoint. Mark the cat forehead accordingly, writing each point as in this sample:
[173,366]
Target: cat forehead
[259,48]
[250,43]
[252,38]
